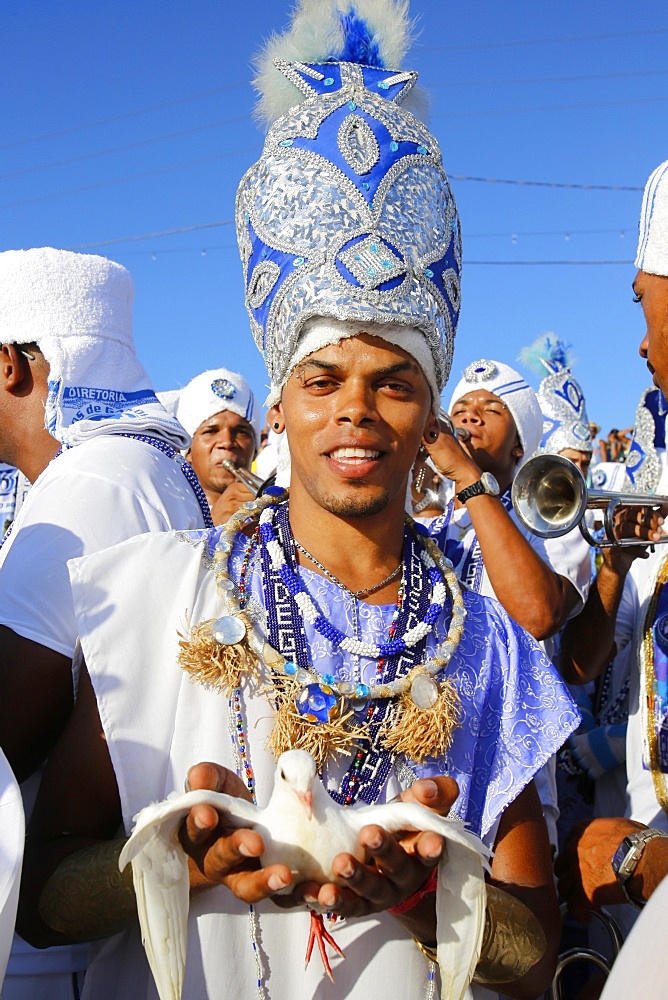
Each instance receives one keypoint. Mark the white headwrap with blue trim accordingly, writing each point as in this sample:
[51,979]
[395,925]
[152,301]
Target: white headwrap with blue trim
[515,392]
[652,255]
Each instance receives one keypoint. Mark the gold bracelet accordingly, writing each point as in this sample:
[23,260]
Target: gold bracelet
[87,897]
[513,940]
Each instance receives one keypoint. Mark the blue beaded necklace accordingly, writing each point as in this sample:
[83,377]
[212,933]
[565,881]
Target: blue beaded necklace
[371,763]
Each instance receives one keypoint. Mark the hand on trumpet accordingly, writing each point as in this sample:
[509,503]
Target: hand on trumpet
[229,502]
[644,523]
[450,453]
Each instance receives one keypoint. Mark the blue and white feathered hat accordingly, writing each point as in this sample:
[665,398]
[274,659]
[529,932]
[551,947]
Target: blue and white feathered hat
[565,421]
[348,214]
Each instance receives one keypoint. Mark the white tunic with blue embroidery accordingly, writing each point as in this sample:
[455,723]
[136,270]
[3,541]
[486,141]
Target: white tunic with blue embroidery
[515,713]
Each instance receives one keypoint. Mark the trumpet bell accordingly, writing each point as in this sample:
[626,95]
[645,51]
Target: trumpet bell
[549,495]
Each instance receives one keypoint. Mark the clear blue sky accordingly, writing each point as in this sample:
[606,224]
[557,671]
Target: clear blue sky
[126,119]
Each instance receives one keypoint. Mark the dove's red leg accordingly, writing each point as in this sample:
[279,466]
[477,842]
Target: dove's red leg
[318,932]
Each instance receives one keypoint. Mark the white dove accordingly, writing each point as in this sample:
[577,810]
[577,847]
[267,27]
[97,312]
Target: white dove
[303,828]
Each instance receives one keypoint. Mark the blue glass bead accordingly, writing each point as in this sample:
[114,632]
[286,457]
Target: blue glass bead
[329,679]
[422,150]
[394,146]
[428,271]
[317,703]
[358,256]
[290,668]
[298,261]
[352,105]
[328,81]
[366,186]
[285,142]
[383,85]
[361,691]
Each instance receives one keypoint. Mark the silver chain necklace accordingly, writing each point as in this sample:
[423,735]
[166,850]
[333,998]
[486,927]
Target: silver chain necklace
[365,592]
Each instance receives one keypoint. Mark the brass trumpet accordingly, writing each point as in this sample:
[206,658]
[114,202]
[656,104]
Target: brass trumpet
[247,478]
[550,497]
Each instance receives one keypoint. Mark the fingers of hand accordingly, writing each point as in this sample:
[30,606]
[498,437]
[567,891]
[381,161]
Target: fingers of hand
[216,778]
[253,885]
[438,794]
[395,870]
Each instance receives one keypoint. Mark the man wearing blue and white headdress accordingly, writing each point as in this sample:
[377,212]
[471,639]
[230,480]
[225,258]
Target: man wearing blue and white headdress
[328,601]
[566,428]
[80,419]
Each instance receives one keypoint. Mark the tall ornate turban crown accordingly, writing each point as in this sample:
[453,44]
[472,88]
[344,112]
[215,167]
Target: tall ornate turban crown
[348,213]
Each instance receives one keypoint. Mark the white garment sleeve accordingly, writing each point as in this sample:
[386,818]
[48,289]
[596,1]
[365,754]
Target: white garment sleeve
[71,512]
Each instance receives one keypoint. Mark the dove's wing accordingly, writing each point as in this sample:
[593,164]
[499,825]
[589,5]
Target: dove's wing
[160,875]
[461,896]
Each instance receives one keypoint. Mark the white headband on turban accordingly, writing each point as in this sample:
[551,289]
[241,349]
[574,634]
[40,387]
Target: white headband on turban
[652,255]
[215,391]
[515,392]
[321,331]
[77,308]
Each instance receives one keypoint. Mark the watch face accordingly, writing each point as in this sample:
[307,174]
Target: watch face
[490,484]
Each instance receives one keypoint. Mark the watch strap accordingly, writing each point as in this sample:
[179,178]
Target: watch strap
[474,490]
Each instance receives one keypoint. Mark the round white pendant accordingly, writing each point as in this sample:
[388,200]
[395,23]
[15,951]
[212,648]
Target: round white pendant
[424,691]
[228,630]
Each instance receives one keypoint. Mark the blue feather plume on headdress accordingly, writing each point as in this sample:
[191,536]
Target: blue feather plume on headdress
[359,43]
[369,32]
[547,354]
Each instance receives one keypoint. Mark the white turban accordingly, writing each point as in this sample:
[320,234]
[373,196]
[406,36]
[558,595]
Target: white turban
[214,391]
[515,392]
[652,255]
[77,308]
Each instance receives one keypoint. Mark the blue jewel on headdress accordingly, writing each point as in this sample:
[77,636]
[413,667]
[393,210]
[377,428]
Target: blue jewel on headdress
[352,105]
[394,146]
[422,150]
[298,261]
[428,272]
[317,703]
[328,81]
[285,142]
[383,85]
[223,388]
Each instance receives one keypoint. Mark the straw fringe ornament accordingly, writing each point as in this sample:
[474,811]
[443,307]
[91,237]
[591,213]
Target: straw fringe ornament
[218,666]
[424,732]
[291,731]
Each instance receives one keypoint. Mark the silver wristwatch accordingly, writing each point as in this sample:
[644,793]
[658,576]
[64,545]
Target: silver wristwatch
[627,856]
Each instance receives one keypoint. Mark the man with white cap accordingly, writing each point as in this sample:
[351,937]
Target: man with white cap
[221,414]
[328,600]
[80,419]
[540,582]
[619,859]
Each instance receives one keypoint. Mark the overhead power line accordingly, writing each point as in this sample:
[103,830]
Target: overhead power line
[564,39]
[548,184]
